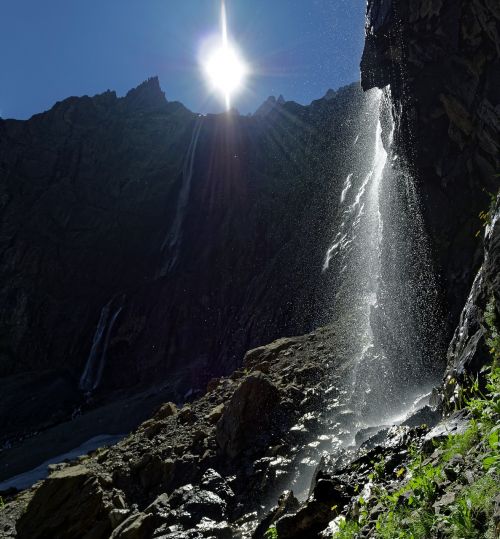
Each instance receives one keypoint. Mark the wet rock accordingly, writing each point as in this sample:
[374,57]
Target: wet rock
[69,504]
[425,416]
[212,529]
[248,415]
[308,374]
[444,502]
[214,482]
[309,521]
[375,435]
[269,352]
[332,491]
[453,467]
[117,516]
[198,503]
[138,526]
[468,351]
[160,508]
[287,503]
[456,424]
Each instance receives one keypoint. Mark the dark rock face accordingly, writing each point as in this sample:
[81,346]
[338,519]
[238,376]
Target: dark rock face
[468,351]
[247,415]
[75,502]
[441,59]
[159,243]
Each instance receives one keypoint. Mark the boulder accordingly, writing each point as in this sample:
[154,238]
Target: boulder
[187,415]
[248,415]
[166,410]
[311,518]
[215,414]
[198,503]
[69,504]
[217,530]
[214,482]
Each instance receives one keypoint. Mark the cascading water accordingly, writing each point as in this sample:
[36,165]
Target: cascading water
[383,302]
[355,256]
[171,244]
[94,367]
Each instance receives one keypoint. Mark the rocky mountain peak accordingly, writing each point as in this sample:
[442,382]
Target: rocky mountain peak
[266,107]
[330,94]
[270,104]
[147,95]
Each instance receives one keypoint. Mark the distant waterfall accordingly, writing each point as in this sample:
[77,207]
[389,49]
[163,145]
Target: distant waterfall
[172,241]
[94,367]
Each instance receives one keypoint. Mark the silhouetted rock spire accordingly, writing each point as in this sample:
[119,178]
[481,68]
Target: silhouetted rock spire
[147,95]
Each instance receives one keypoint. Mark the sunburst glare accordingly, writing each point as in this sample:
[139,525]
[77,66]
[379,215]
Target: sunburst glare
[223,66]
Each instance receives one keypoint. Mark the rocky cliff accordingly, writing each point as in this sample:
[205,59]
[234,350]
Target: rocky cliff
[441,60]
[142,243]
[476,336]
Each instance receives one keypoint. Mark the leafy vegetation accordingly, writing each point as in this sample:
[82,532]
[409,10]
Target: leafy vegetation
[486,216]
[423,506]
[493,337]
[271,533]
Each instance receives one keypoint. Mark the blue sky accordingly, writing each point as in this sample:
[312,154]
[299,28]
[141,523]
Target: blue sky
[53,49]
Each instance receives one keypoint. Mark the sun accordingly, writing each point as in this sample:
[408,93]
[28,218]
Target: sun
[226,71]
[224,68]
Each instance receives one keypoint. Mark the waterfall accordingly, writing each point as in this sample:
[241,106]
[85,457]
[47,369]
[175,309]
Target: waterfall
[380,300]
[384,304]
[172,241]
[380,303]
[94,367]
[368,225]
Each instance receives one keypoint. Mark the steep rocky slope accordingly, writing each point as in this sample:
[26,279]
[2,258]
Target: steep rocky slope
[237,445]
[142,242]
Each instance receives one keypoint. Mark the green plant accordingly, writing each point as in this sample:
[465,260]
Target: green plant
[271,533]
[473,509]
[347,529]
[486,216]
[378,469]
[460,444]
[409,513]
[493,337]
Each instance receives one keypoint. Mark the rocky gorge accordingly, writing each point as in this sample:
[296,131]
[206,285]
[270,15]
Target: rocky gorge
[283,442]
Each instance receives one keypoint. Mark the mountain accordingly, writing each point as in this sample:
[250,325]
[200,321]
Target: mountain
[145,245]
[165,244]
